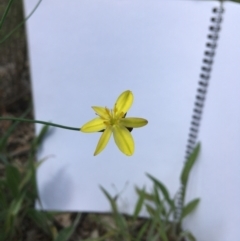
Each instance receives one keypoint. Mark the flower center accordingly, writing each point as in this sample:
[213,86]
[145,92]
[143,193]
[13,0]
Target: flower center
[114,117]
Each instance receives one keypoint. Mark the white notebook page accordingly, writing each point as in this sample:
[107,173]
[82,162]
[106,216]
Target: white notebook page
[85,53]
[215,178]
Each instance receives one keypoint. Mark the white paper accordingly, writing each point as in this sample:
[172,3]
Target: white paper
[215,178]
[85,53]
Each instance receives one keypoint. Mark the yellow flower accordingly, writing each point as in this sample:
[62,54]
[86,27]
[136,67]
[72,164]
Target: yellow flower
[114,121]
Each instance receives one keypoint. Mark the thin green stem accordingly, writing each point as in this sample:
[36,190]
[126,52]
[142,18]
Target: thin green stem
[6,12]
[20,24]
[40,122]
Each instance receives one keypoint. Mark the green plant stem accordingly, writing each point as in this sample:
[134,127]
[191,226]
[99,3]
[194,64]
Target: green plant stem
[6,12]
[20,24]
[40,122]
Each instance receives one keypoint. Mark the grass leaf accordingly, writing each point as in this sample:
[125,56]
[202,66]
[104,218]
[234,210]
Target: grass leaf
[13,179]
[151,211]
[10,2]
[41,218]
[64,234]
[17,204]
[139,204]
[189,164]
[188,235]
[118,217]
[142,231]
[163,189]
[38,140]
[147,196]
[189,207]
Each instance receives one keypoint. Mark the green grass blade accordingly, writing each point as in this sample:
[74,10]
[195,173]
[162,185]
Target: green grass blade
[147,196]
[13,179]
[189,164]
[17,204]
[189,207]
[163,189]
[20,24]
[139,204]
[142,231]
[118,217]
[111,200]
[151,211]
[151,231]
[41,219]
[10,2]
[3,195]
[39,139]
[66,233]
[187,235]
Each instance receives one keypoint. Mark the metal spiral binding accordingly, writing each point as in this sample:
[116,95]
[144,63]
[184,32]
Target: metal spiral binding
[201,94]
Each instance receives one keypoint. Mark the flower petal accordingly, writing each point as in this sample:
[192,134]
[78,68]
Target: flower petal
[103,141]
[123,139]
[124,102]
[93,125]
[133,122]
[101,111]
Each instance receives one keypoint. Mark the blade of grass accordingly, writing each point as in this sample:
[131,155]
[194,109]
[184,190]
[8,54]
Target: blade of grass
[10,2]
[163,189]
[139,205]
[3,196]
[13,179]
[189,207]
[17,204]
[150,210]
[159,203]
[189,164]
[151,230]
[66,233]
[20,24]
[39,139]
[41,218]
[142,231]
[147,196]
[187,235]
[158,217]
[119,219]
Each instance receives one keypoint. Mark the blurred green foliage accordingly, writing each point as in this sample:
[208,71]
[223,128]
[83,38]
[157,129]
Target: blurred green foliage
[18,194]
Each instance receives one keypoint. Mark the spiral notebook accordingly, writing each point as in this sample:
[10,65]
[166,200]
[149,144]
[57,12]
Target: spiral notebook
[181,61]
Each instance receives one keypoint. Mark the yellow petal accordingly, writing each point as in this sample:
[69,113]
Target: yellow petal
[101,111]
[123,139]
[93,126]
[133,122]
[124,102]
[103,141]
